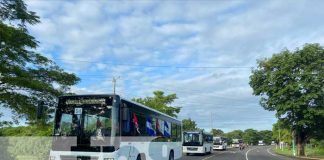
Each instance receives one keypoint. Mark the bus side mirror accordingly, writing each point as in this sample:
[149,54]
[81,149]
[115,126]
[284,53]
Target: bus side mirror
[40,110]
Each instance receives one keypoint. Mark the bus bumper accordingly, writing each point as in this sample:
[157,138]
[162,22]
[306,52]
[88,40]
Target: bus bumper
[67,155]
[193,149]
[218,147]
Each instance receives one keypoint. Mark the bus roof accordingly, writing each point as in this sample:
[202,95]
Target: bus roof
[130,101]
[148,108]
[198,131]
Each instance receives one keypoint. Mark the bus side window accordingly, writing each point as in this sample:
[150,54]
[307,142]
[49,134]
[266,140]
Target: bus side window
[179,133]
[173,132]
[142,125]
[126,120]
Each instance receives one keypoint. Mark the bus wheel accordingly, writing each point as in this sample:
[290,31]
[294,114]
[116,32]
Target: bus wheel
[171,155]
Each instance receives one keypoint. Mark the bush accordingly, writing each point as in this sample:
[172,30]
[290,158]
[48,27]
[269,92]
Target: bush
[15,148]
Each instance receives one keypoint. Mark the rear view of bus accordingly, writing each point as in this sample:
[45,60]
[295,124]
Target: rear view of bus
[107,127]
[197,142]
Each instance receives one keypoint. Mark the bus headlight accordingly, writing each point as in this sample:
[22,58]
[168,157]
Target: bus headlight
[51,157]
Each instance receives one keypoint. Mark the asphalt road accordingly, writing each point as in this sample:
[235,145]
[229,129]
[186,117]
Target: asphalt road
[250,153]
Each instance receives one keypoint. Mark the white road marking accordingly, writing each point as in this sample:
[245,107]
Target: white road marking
[246,154]
[208,157]
[221,153]
[268,150]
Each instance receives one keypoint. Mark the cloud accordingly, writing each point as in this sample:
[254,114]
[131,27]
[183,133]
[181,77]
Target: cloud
[145,42]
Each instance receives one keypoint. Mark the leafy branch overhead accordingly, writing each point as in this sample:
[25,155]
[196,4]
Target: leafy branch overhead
[161,103]
[26,77]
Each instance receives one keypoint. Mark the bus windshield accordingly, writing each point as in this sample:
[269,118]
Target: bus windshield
[237,141]
[217,141]
[90,121]
[192,139]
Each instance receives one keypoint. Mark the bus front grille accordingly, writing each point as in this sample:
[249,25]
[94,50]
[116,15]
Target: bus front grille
[78,158]
[192,149]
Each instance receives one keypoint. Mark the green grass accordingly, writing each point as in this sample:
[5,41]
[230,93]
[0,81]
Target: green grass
[310,152]
[285,151]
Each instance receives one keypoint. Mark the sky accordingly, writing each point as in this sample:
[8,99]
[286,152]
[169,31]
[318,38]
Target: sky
[201,50]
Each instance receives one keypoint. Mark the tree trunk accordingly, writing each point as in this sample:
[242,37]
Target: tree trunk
[301,143]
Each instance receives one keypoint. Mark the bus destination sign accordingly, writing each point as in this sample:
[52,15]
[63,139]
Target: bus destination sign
[85,101]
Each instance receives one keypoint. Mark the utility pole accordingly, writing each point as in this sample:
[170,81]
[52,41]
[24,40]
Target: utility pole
[211,121]
[293,143]
[280,144]
[114,81]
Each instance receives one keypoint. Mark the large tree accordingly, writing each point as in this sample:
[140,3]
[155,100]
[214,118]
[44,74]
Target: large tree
[161,103]
[189,125]
[291,83]
[26,76]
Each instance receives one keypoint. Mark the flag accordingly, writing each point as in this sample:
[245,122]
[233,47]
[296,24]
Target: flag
[167,129]
[157,125]
[135,121]
[149,127]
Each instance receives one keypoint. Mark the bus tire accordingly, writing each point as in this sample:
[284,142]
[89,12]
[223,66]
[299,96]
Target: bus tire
[210,150]
[171,155]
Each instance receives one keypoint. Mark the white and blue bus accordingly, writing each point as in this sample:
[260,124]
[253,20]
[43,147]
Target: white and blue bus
[220,143]
[197,142]
[236,143]
[108,127]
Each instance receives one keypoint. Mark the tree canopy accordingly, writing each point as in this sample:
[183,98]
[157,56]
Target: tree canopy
[161,103]
[217,132]
[266,136]
[26,76]
[235,134]
[189,125]
[281,132]
[251,136]
[291,83]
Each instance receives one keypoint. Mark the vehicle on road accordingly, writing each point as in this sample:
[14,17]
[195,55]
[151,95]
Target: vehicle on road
[273,143]
[219,143]
[261,143]
[236,143]
[108,127]
[197,142]
[242,146]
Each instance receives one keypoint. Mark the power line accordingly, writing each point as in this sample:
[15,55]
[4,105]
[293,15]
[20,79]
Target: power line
[158,66]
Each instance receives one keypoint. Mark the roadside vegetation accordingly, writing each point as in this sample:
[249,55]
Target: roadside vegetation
[291,84]
[315,152]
